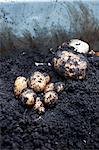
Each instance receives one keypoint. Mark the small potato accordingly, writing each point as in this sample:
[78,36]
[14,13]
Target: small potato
[37,82]
[79,46]
[28,97]
[47,77]
[38,103]
[19,85]
[49,87]
[41,110]
[39,106]
[50,97]
[59,87]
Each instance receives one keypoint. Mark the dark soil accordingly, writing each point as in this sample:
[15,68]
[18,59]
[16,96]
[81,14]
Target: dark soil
[72,124]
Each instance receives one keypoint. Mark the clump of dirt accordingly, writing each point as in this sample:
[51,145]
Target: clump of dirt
[71,124]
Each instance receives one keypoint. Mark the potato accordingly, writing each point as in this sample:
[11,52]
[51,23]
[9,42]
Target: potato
[50,97]
[70,65]
[79,46]
[47,77]
[19,85]
[38,103]
[59,86]
[41,110]
[37,82]
[49,87]
[28,97]
[39,106]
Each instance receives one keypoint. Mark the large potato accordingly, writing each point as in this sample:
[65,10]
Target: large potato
[70,65]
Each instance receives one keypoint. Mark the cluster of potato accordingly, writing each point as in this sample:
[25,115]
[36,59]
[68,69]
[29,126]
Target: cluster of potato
[29,89]
[69,63]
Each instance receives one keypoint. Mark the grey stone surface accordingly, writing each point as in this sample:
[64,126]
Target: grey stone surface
[35,16]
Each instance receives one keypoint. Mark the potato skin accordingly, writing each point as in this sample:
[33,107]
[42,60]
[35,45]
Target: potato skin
[49,87]
[38,103]
[79,46]
[70,65]
[19,85]
[50,97]
[47,77]
[39,106]
[41,110]
[59,87]
[28,97]
[37,82]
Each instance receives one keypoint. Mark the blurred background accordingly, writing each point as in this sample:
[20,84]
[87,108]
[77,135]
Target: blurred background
[47,23]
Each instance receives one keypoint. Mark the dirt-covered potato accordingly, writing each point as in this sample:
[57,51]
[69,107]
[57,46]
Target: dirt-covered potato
[37,82]
[49,87]
[41,110]
[70,65]
[50,97]
[59,86]
[47,77]
[28,97]
[19,85]
[79,46]
[39,105]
